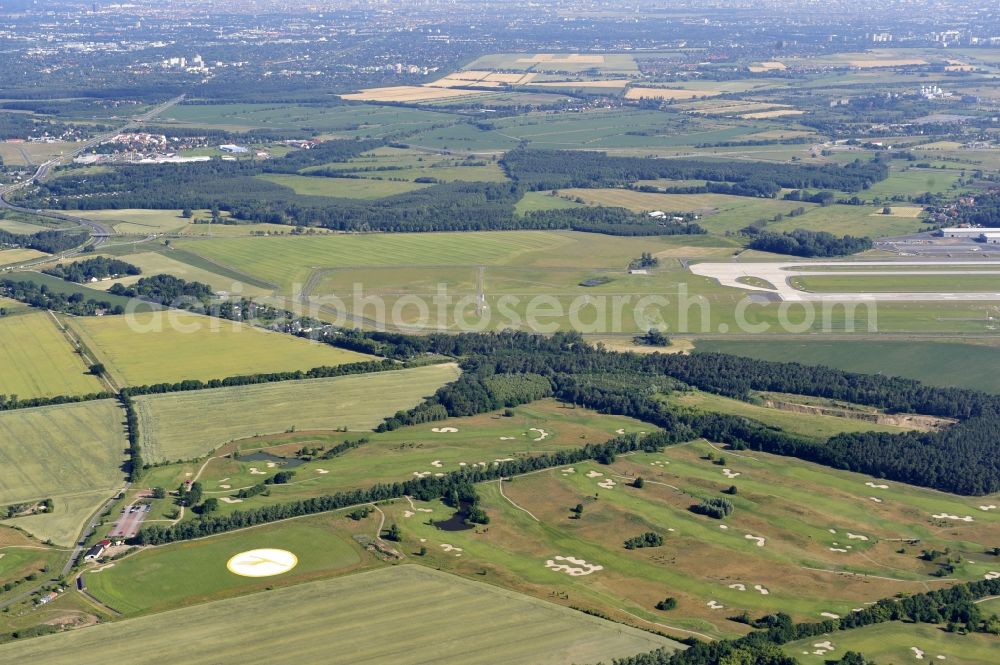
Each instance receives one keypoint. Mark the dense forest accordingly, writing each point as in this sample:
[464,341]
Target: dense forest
[96,268]
[557,169]
[166,290]
[808,244]
[986,211]
[50,242]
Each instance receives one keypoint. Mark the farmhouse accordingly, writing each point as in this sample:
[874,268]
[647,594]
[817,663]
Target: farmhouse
[95,552]
[960,232]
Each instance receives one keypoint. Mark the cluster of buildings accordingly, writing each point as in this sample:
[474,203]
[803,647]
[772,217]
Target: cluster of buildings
[971,233]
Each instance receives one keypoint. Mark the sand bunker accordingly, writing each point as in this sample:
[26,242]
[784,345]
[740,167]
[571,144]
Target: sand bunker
[421,474]
[437,463]
[229,499]
[507,438]
[829,615]
[505,459]
[542,434]
[917,653]
[833,531]
[989,507]
[659,463]
[439,475]
[715,605]
[854,536]
[878,487]
[271,465]
[875,499]
[738,587]
[408,513]
[607,484]
[759,539]
[578,568]
[254,471]
[594,474]
[322,471]
[992,575]
[620,431]
[451,548]
[822,648]
[837,549]
[761,589]
[729,474]
[225,487]
[946,516]
[262,562]
[569,470]
[444,430]
[723,526]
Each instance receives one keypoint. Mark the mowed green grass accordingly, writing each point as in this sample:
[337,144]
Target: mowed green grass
[61,450]
[184,573]
[162,263]
[937,363]
[890,283]
[192,424]
[38,360]
[287,260]
[349,188]
[405,615]
[892,644]
[174,345]
[817,523]
[138,221]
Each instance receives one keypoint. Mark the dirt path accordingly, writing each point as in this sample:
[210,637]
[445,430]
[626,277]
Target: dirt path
[511,501]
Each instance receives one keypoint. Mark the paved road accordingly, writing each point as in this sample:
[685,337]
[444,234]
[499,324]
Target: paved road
[779,274]
[99,233]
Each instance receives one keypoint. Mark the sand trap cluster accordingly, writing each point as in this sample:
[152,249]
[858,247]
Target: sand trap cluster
[759,539]
[756,587]
[992,575]
[451,548]
[729,473]
[437,463]
[607,484]
[738,586]
[578,568]
[421,474]
[569,470]
[594,474]
[229,499]
[875,486]
[989,507]
[408,513]
[444,430]
[542,434]
[917,653]
[659,463]
[262,562]
[715,605]
[761,589]
[821,648]
[254,471]
[946,516]
[503,459]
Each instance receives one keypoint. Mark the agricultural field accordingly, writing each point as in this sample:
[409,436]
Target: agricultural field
[524,629]
[947,363]
[77,455]
[31,154]
[350,188]
[402,164]
[913,182]
[786,546]
[898,643]
[166,346]
[38,360]
[349,120]
[190,425]
[144,222]
[410,94]
[163,263]
[13,257]
[603,63]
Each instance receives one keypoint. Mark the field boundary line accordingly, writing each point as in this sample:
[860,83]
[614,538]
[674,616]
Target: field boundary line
[879,577]
[655,623]
[88,356]
[511,501]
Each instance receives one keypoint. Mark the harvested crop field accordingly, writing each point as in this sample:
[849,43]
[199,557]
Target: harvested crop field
[416,623]
[191,424]
[174,345]
[408,93]
[38,361]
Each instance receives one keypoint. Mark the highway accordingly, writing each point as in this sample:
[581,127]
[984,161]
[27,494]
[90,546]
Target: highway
[99,233]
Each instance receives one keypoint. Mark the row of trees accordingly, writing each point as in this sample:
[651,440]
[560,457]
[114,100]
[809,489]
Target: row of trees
[558,169]
[43,297]
[801,242]
[50,242]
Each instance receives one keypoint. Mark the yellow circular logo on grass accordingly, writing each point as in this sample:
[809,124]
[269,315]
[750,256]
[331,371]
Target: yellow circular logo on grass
[262,563]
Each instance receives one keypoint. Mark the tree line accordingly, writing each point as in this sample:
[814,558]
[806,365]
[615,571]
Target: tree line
[50,242]
[801,242]
[99,267]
